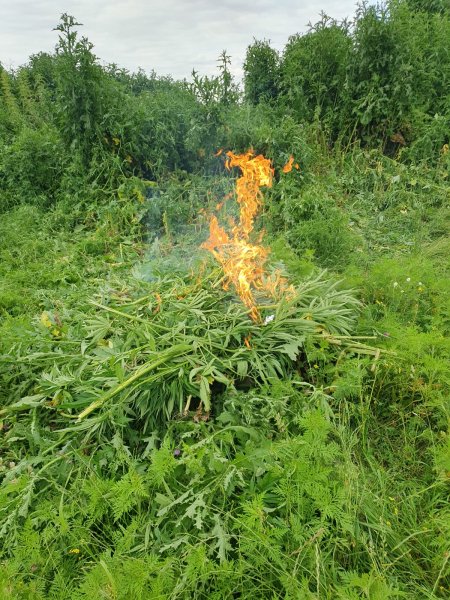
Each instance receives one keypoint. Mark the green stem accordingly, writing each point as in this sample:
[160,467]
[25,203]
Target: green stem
[127,316]
[177,350]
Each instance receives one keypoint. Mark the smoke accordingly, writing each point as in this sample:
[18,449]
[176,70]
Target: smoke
[176,220]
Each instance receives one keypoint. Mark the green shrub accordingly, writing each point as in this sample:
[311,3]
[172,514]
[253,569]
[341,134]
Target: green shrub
[261,72]
[313,71]
[32,167]
[314,223]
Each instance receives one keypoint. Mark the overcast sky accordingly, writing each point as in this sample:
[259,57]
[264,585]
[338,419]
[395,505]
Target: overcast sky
[169,36]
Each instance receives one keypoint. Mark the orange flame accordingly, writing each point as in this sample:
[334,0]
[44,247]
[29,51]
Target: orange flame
[288,166]
[242,261]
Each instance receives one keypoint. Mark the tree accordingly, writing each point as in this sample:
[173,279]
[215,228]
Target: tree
[314,69]
[261,72]
[80,91]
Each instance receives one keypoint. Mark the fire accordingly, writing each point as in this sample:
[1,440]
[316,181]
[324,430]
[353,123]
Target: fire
[242,261]
[288,166]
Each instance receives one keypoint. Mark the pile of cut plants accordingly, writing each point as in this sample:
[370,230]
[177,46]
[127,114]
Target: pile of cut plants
[169,348]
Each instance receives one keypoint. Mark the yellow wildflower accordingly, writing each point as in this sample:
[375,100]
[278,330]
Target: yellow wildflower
[45,319]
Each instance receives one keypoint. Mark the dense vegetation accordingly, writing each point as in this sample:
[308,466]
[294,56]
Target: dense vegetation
[154,441]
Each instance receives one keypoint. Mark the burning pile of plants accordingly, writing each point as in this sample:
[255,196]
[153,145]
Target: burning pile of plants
[172,347]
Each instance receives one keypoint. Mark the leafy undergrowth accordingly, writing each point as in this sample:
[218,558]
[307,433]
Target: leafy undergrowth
[157,443]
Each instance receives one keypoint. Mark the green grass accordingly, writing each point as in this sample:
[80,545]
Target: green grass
[146,452]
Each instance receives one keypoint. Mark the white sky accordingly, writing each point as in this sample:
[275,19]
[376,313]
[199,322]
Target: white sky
[169,36]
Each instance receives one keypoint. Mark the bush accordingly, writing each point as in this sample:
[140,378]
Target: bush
[33,165]
[261,72]
[313,72]
[314,223]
